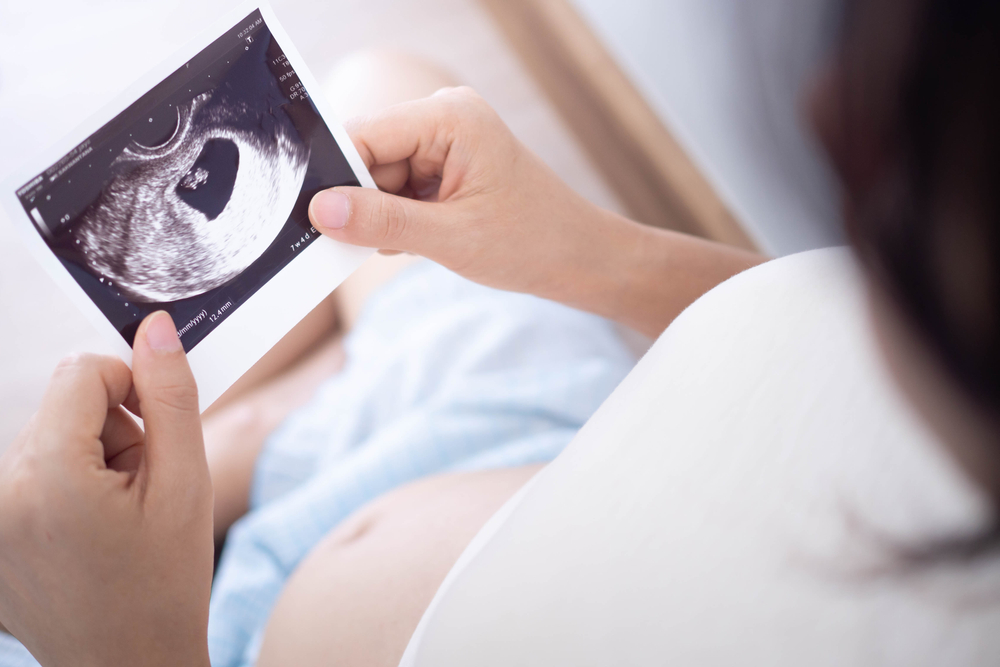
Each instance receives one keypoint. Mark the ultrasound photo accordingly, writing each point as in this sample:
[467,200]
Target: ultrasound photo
[196,195]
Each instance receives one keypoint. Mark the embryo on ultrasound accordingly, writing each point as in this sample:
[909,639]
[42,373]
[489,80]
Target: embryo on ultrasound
[182,218]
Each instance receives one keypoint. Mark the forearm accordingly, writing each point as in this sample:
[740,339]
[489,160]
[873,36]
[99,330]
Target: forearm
[642,276]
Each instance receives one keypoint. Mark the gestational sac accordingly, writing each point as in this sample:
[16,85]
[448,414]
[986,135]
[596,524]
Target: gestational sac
[182,218]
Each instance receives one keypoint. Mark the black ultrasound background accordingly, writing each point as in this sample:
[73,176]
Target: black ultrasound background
[150,121]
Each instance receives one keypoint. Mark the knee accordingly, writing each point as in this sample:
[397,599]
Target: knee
[367,81]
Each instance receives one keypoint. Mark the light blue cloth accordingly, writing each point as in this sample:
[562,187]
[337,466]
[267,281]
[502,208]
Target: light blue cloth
[441,375]
[12,654]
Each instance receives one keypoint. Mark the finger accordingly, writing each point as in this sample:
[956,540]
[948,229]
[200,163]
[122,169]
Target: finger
[128,460]
[391,177]
[366,217]
[76,403]
[397,179]
[392,135]
[120,433]
[168,399]
[420,131]
[407,192]
[131,403]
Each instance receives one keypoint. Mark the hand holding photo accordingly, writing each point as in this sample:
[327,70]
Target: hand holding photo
[191,195]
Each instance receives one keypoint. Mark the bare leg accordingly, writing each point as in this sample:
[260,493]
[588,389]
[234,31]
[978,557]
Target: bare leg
[239,423]
[358,596]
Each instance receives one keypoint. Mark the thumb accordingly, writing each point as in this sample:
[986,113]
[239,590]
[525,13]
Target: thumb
[375,219]
[168,399]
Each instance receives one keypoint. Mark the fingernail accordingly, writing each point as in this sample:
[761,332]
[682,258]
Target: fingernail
[161,336]
[330,209]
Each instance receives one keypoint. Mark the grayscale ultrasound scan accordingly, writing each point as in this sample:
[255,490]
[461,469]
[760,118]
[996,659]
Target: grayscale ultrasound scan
[185,217]
[196,195]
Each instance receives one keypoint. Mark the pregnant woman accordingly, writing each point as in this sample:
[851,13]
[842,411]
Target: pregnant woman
[757,491]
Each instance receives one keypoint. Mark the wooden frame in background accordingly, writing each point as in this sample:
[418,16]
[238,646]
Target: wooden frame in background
[629,144]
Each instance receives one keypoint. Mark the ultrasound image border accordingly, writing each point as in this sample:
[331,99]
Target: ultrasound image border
[244,335]
[152,228]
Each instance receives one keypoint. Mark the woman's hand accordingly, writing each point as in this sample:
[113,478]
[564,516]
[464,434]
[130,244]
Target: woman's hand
[472,197]
[464,192]
[106,530]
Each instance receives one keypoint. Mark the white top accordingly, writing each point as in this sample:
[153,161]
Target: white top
[730,504]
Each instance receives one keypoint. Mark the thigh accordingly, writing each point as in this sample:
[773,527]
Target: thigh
[357,598]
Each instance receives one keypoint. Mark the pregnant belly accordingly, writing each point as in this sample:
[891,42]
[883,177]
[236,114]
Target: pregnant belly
[357,598]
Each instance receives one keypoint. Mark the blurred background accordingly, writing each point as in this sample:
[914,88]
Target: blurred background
[680,113]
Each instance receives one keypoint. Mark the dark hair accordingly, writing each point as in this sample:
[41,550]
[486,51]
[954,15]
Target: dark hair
[922,144]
